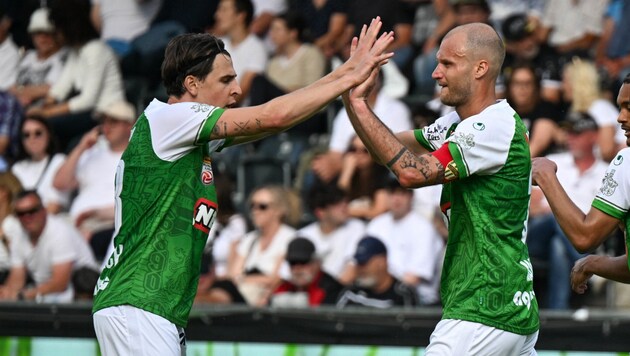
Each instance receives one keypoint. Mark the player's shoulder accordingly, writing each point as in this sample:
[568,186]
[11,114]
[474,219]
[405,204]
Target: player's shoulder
[621,158]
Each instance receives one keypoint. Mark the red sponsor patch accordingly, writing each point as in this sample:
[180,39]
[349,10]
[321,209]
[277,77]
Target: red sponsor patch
[203,215]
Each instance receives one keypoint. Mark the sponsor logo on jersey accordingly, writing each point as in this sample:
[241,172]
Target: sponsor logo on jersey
[204,214]
[207,177]
[530,270]
[115,257]
[101,284]
[524,298]
[618,160]
[200,107]
[465,141]
[609,185]
[479,126]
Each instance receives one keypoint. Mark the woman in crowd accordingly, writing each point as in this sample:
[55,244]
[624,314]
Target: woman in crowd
[255,266]
[38,162]
[9,188]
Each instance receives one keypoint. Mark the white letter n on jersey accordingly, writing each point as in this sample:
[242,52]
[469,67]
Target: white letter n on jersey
[204,214]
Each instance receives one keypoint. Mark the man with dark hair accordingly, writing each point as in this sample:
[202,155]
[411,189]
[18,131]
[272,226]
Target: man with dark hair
[165,194]
[375,286]
[609,209]
[308,284]
[335,234]
[481,155]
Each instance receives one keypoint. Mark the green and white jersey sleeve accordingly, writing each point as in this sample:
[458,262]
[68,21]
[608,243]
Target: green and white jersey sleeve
[177,128]
[480,145]
[432,137]
[613,197]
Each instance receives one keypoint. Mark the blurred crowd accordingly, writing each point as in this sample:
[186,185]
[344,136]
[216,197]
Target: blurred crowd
[306,217]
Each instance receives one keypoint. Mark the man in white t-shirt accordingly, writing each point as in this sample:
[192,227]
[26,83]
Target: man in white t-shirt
[580,171]
[335,234]
[90,168]
[48,249]
[9,55]
[249,56]
[415,249]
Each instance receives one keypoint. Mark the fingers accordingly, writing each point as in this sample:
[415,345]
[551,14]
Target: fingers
[353,45]
[368,35]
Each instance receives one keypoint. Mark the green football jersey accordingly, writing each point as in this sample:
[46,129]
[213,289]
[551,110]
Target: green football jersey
[487,275]
[165,206]
[613,197]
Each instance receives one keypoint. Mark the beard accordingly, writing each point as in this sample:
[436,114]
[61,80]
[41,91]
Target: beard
[457,93]
[302,279]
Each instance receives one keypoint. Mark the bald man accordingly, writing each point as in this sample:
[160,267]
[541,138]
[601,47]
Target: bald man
[481,156]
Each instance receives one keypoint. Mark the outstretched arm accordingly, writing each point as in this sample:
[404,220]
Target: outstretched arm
[613,268]
[288,110]
[412,170]
[585,231]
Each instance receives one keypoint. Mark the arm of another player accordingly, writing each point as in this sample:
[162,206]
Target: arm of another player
[245,124]
[613,268]
[585,231]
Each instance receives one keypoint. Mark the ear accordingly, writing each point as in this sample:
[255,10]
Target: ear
[482,68]
[191,84]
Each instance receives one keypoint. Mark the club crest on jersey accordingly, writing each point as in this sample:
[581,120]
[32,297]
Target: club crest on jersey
[204,214]
[609,185]
[465,141]
[200,107]
[618,160]
[207,177]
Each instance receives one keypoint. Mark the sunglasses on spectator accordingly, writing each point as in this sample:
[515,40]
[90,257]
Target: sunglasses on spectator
[36,134]
[358,149]
[259,206]
[31,211]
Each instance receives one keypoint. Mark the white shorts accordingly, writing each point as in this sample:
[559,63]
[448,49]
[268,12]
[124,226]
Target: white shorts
[125,330]
[460,337]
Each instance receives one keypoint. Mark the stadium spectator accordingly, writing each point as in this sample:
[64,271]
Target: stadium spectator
[264,13]
[308,284]
[582,93]
[9,188]
[37,163]
[248,53]
[326,22]
[90,170]
[47,248]
[374,286]
[90,80]
[579,173]
[256,264]
[40,67]
[9,55]
[613,50]
[609,209]
[119,22]
[483,161]
[414,247]
[541,118]
[10,120]
[334,233]
[522,46]
[363,180]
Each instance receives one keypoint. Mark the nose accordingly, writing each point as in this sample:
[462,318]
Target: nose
[236,89]
[437,73]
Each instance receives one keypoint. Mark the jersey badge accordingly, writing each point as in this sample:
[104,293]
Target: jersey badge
[200,107]
[618,160]
[204,214]
[465,141]
[609,184]
[207,177]
[479,126]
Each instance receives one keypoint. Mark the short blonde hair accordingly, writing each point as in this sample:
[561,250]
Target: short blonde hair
[10,183]
[584,81]
[287,200]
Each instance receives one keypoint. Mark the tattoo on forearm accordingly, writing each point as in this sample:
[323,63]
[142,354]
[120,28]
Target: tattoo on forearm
[424,167]
[259,123]
[241,126]
[396,158]
[439,169]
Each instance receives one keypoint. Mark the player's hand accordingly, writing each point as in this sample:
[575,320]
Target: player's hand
[580,276]
[541,167]
[368,52]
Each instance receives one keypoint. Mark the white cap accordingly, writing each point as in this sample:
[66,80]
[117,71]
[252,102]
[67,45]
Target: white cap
[119,110]
[40,22]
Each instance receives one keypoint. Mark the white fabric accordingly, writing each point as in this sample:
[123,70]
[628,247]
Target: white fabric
[10,227]
[394,114]
[483,139]
[248,56]
[175,128]
[33,71]
[460,337]
[9,59]
[59,243]
[413,247]
[615,187]
[126,19]
[273,7]
[95,173]
[580,188]
[265,260]
[93,71]
[30,173]
[605,114]
[426,200]
[337,248]
[128,331]
[571,20]
[235,229]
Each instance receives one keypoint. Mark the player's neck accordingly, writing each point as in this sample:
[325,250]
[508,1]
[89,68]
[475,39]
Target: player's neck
[478,103]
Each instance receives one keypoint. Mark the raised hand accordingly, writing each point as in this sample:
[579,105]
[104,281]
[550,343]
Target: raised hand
[368,51]
[540,167]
